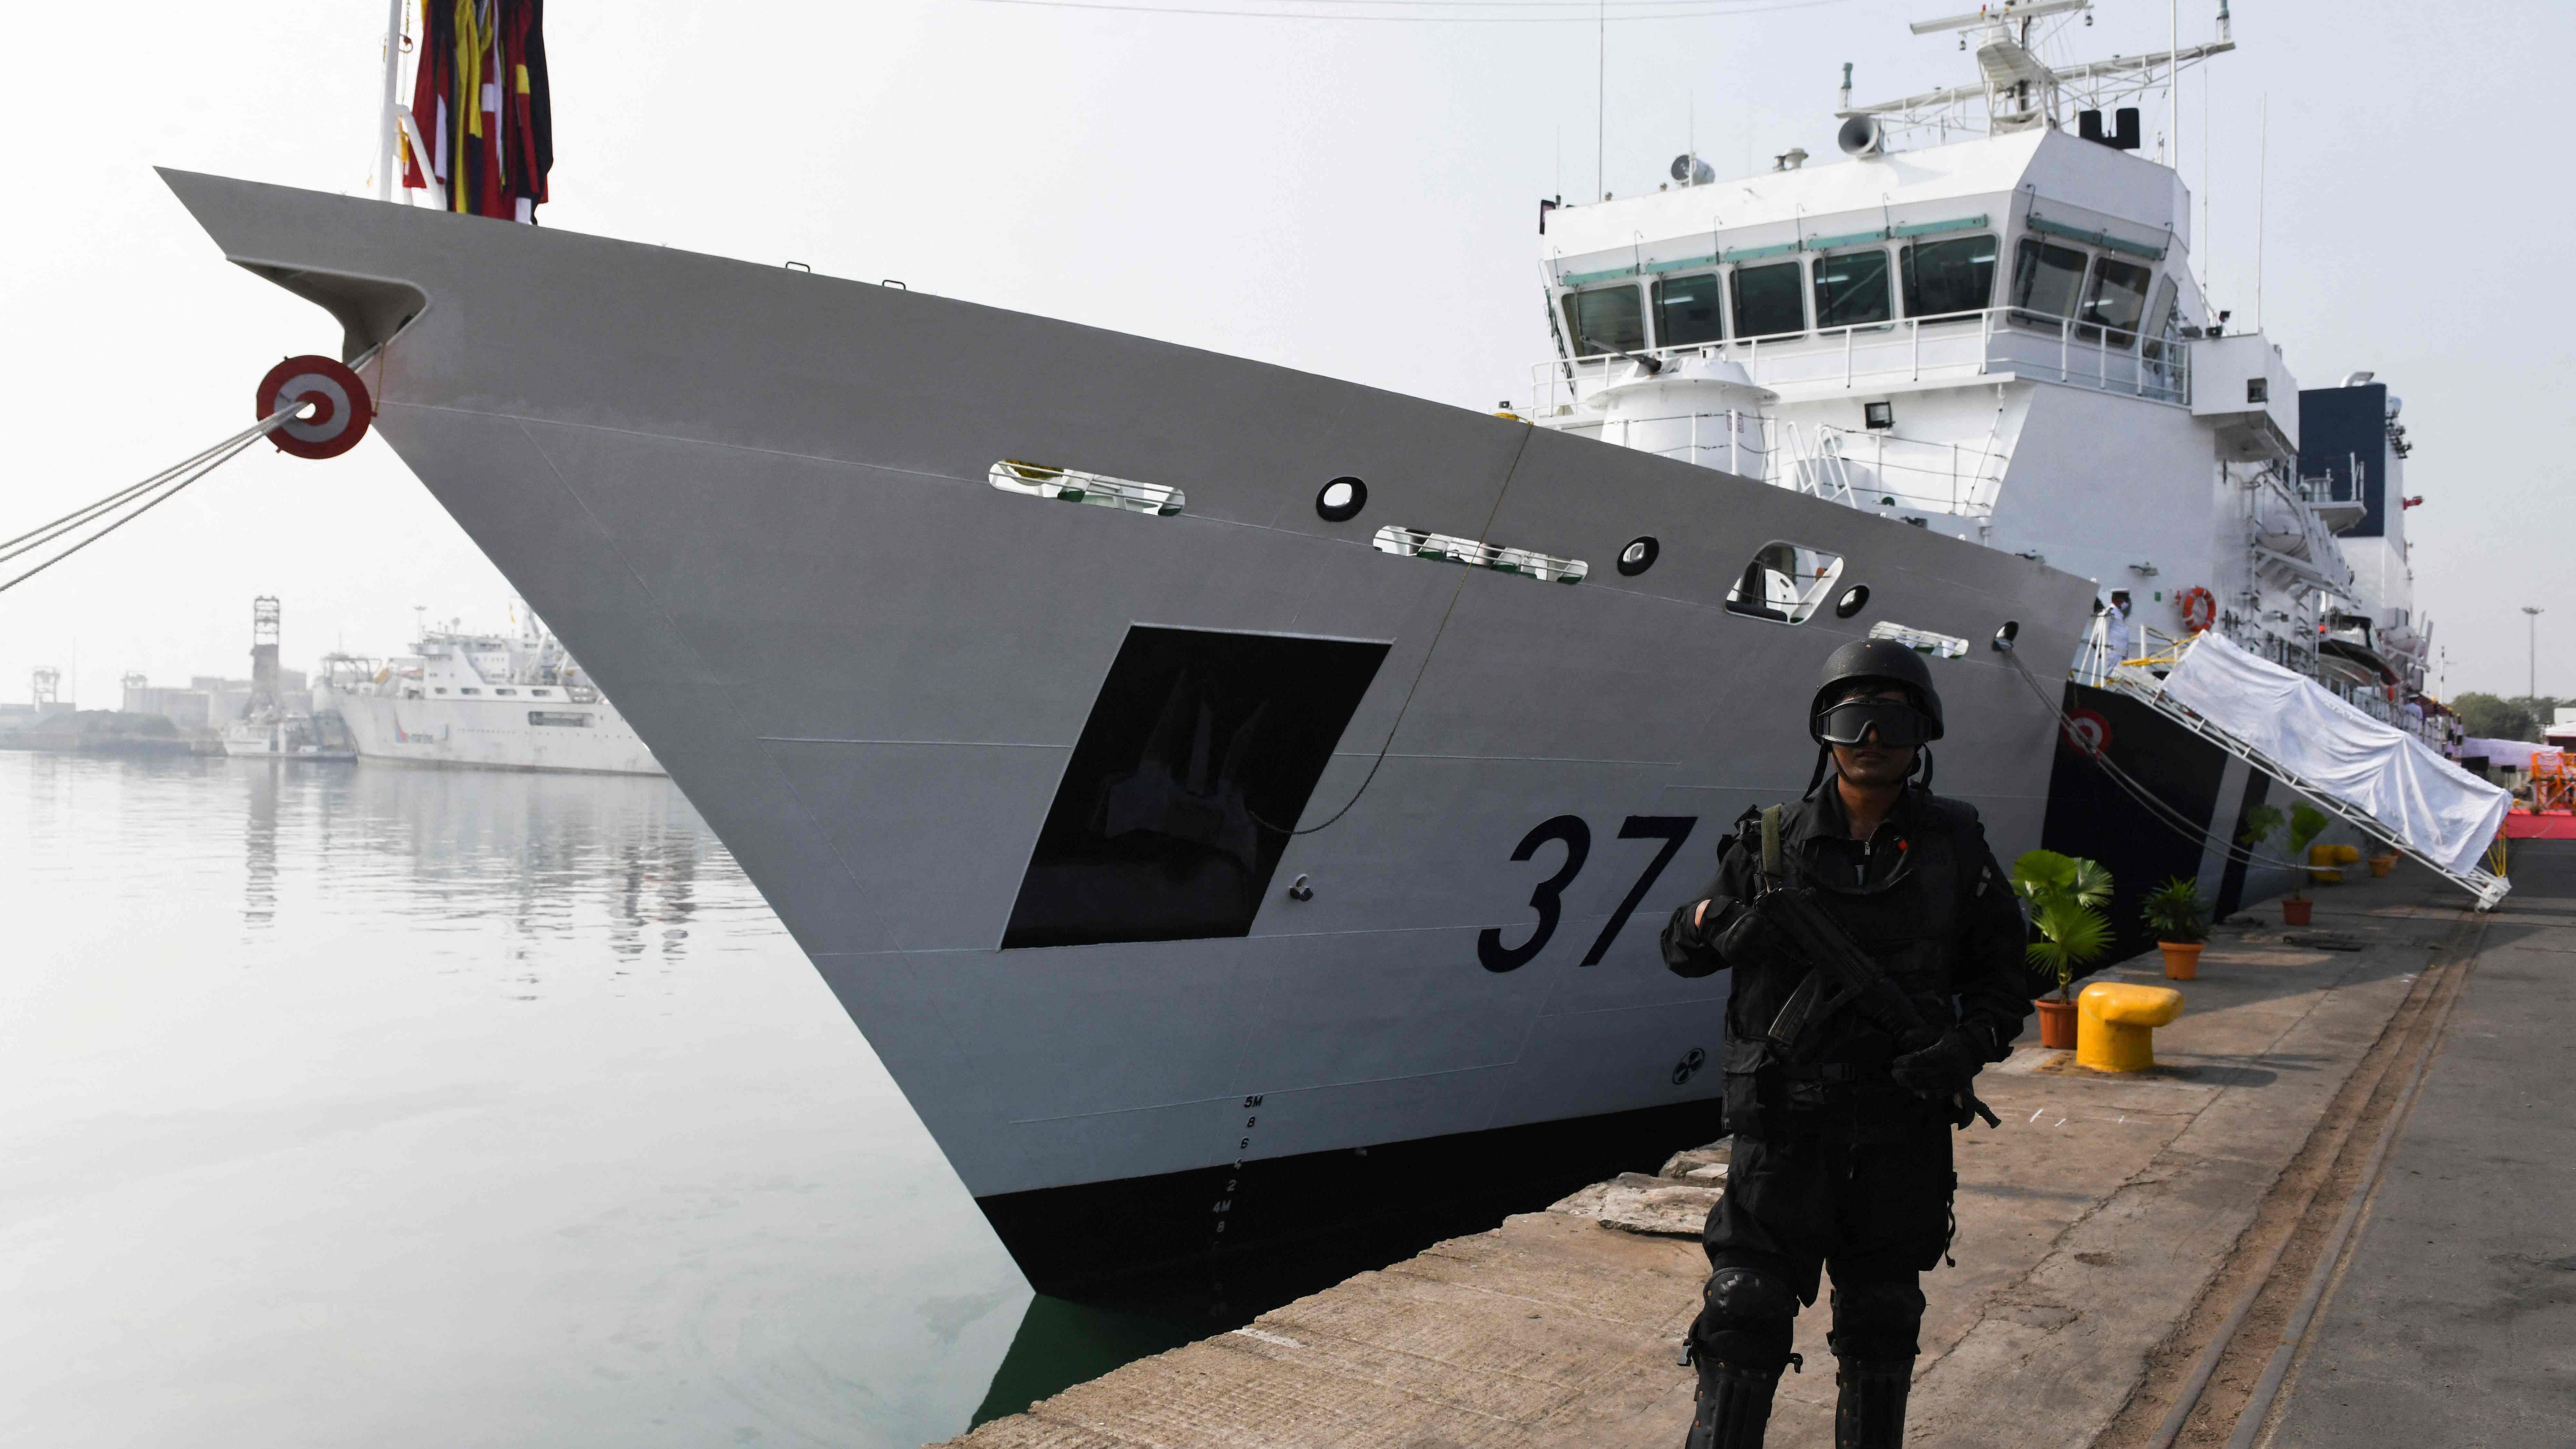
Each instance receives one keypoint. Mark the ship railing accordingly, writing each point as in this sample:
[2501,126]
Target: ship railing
[1475,553]
[1865,468]
[1882,469]
[1952,347]
[2155,651]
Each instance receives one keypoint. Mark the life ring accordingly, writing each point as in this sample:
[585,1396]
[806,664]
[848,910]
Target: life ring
[2199,608]
[341,408]
[2088,730]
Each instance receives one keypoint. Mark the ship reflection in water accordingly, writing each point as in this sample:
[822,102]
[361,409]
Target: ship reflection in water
[427,1107]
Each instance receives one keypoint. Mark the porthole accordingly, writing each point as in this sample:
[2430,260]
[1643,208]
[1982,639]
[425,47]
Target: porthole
[1854,599]
[1639,555]
[1341,500]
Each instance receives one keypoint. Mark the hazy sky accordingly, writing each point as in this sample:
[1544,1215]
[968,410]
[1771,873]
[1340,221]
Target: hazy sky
[1354,198]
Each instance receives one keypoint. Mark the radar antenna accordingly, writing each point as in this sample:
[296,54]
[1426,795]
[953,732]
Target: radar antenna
[2021,90]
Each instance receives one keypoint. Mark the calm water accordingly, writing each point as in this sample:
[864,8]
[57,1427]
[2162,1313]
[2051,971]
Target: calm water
[348,1105]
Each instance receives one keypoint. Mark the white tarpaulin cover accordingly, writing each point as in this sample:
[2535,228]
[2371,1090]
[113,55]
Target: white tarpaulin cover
[2501,753]
[2434,806]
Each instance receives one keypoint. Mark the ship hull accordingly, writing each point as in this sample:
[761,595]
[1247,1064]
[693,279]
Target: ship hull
[2202,796]
[756,504]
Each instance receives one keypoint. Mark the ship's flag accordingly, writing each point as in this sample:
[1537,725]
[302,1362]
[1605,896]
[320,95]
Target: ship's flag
[481,106]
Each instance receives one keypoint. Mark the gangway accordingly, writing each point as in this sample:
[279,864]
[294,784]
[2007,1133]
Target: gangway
[2139,680]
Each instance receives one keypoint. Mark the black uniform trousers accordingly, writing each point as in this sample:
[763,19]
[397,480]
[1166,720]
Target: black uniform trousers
[1871,1203]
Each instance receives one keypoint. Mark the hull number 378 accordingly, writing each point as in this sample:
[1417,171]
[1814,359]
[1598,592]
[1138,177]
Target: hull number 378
[1549,898]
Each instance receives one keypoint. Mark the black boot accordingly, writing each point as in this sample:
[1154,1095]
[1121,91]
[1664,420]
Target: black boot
[1734,1406]
[1870,1411]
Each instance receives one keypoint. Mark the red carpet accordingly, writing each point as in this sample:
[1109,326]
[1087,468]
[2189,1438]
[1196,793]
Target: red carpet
[2556,825]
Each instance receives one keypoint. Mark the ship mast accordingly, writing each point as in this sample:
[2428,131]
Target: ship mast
[2020,90]
[388,148]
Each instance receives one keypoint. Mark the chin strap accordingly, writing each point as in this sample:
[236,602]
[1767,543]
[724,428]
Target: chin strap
[1924,753]
[1824,757]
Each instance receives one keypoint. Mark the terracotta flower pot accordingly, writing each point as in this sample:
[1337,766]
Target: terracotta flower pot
[2182,959]
[2294,910]
[2379,864]
[2056,1024]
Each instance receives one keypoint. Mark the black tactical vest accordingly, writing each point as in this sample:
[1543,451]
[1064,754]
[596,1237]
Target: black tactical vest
[1900,899]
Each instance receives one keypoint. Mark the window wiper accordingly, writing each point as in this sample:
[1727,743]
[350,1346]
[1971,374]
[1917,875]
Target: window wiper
[1650,365]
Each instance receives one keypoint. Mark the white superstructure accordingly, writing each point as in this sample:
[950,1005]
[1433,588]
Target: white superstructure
[494,701]
[1999,338]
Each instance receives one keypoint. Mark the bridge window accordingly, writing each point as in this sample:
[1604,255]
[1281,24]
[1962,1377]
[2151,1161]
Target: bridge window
[2116,300]
[1955,275]
[1606,319]
[2046,279]
[2164,318]
[1686,311]
[1851,289]
[1769,300]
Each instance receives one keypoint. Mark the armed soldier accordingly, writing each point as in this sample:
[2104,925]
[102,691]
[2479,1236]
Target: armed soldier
[1877,952]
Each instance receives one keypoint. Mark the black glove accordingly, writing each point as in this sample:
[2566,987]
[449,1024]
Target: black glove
[1750,938]
[1941,1070]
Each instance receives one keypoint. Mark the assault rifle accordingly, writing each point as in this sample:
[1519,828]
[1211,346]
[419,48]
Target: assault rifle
[1839,973]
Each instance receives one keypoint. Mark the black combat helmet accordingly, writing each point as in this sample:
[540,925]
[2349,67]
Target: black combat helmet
[1881,661]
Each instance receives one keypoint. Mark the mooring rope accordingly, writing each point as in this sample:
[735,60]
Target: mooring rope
[156,490]
[2162,811]
[137,499]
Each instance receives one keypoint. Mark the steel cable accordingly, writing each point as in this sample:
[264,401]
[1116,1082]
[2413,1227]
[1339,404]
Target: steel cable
[2164,812]
[56,527]
[156,490]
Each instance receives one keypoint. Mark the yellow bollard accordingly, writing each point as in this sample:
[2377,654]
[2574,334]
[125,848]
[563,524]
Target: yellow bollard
[2115,1024]
[2325,862]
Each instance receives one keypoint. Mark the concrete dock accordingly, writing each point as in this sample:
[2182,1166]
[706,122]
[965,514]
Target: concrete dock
[2125,1243]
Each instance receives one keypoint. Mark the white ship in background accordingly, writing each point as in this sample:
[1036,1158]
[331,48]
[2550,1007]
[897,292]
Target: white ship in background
[488,701]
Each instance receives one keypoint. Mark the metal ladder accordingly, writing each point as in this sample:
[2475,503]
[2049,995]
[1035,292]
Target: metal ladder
[2141,684]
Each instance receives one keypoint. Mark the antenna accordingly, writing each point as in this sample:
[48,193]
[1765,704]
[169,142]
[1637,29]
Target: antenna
[2173,68]
[387,129]
[2023,92]
[2262,185]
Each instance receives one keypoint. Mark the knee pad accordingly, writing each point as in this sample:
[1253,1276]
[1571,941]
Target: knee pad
[1745,1319]
[1876,1322]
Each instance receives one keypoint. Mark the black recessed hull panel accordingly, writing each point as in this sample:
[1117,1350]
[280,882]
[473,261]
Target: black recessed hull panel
[1200,752]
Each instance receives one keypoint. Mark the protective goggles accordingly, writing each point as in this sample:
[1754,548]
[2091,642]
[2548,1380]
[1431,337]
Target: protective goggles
[1897,724]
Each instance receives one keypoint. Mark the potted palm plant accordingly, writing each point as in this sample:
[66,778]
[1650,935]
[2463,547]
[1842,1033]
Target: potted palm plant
[2262,822]
[2065,894]
[2306,823]
[2174,913]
